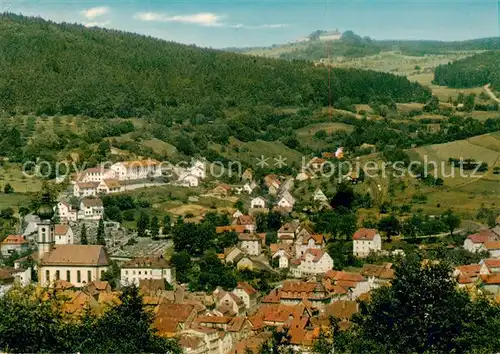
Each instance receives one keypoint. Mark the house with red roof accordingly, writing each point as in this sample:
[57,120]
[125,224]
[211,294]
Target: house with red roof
[13,243]
[247,293]
[313,261]
[475,242]
[366,241]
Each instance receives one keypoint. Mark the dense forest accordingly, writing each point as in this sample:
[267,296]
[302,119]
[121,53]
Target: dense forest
[49,68]
[474,71]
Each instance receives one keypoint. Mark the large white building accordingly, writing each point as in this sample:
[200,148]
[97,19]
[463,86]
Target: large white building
[146,268]
[314,261]
[67,212]
[366,241]
[138,169]
[330,36]
[91,209]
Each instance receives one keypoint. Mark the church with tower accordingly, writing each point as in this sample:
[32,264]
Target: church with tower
[76,264]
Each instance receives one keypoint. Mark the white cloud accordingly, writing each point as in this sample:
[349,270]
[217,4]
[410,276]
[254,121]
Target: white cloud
[95,12]
[202,19]
[265,26]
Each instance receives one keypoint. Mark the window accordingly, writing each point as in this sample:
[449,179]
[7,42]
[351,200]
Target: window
[58,275]
[68,276]
[78,276]
[139,272]
[126,272]
[89,276]
[47,275]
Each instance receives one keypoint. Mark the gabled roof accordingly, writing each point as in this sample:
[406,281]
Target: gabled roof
[364,234]
[247,288]
[246,220]
[112,183]
[491,279]
[317,254]
[492,262]
[246,236]
[87,185]
[318,239]
[76,255]
[275,247]
[379,271]
[179,312]
[61,229]
[14,240]
[492,245]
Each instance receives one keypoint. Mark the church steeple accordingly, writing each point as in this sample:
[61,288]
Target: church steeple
[45,237]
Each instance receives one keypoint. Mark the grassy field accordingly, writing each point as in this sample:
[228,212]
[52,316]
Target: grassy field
[14,200]
[442,92]
[160,147]
[398,63]
[12,174]
[306,134]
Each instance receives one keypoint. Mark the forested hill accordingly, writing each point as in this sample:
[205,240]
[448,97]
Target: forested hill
[50,68]
[474,71]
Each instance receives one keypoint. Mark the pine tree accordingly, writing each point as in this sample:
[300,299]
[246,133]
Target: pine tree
[56,219]
[167,225]
[100,233]
[155,227]
[142,224]
[83,236]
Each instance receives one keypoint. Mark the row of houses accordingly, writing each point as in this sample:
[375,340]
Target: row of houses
[90,209]
[122,175]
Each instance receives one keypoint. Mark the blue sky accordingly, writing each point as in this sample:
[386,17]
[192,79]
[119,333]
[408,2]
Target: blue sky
[241,23]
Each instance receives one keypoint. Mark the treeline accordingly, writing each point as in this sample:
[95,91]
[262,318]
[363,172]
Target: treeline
[49,68]
[478,70]
[354,46]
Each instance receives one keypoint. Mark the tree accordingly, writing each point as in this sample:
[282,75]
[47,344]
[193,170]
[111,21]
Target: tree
[100,233]
[424,312]
[344,196]
[451,220]
[166,225]
[279,343]
[155,227]
[8,189]
[142,224]
[83,235]
[183,266]
[112,275]
[390,226]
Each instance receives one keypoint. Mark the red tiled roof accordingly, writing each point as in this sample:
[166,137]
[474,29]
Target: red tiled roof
[14,240]
[492,245]
[213,319]
[492,263]
[491,279]
[246,220]
[179,312]
[364,234]
[315,252]
[235,228]
[477,238]
[318,239]
[61,229]
[247,288]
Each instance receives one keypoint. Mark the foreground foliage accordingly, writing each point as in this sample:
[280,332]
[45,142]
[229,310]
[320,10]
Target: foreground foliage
[32,320]
[422,312]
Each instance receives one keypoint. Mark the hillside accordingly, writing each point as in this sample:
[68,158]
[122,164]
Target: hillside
[49,68]
[354,46]
[478,70]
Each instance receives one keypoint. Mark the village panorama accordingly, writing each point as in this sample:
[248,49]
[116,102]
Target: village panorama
[335,193]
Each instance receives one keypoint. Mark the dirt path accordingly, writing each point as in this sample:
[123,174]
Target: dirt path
[491,93]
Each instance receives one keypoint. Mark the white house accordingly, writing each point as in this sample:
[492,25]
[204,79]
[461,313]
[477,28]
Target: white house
[249,187]
[11,276]
[13,243]
[237,214]
[136,170]
[366,241]
[107,186]
[250,243]
[314,261]
[246,293]
[147,268]
[67,212]
[284,258]
[475,243]
[188,180]
[198,169]
[319,196]
[63,234]
[91,209]
[258,202]
[286,200]
[96,174]
[302,244]
[85,189]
